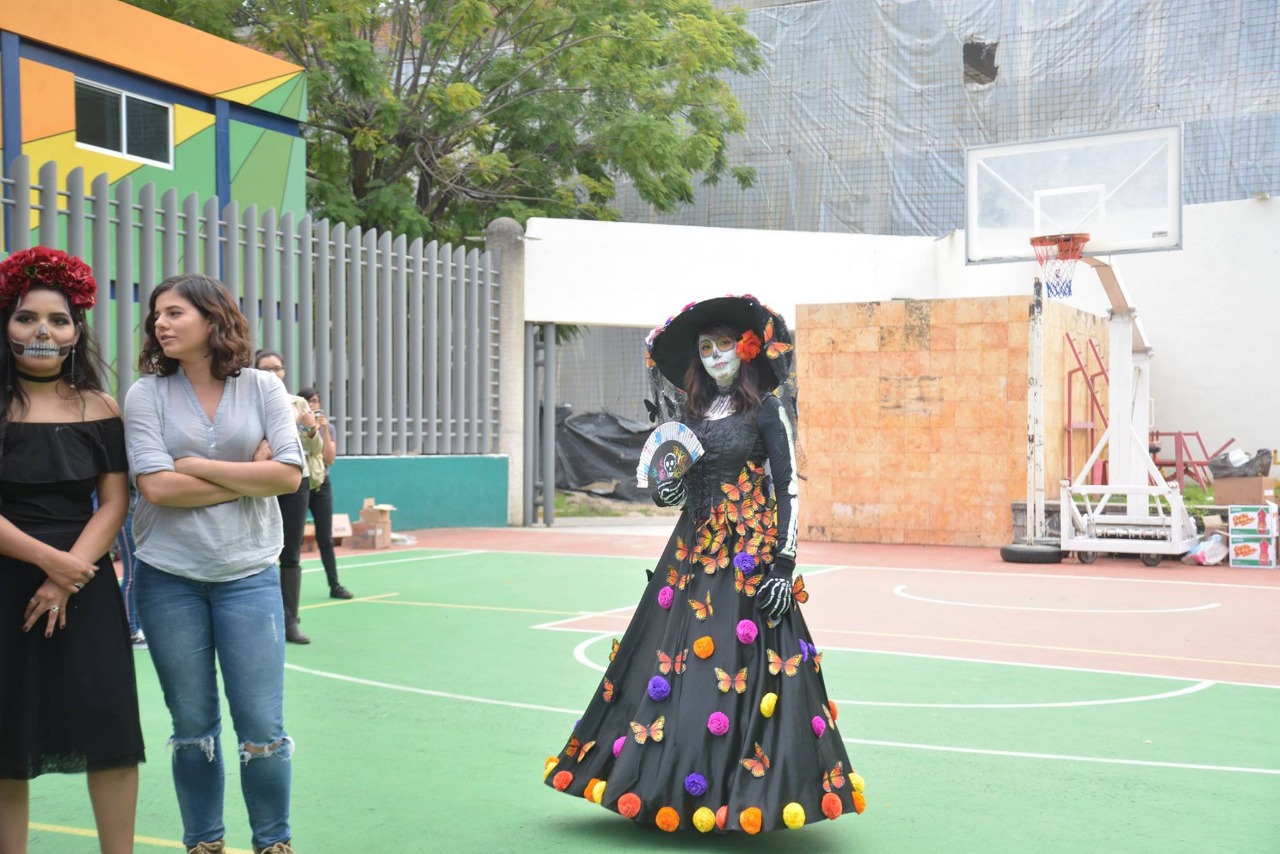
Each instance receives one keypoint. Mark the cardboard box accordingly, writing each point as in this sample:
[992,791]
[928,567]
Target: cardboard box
[1215,524]
[341,528]
[1252,520]
[1256,552]
[1243,490]
[372,512]
[371,535]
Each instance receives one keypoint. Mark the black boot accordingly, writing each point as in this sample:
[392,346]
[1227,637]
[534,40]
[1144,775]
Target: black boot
[290,591]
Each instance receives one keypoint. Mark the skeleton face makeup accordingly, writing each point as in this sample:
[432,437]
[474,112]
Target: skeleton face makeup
[720,357]
[41,330]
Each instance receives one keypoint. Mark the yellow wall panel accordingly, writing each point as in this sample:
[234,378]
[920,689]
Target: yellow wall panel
[188,122]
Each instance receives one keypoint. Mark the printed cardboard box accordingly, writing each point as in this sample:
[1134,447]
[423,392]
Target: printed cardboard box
[371,535]
[372,512]
[1253,520]
[1257,552]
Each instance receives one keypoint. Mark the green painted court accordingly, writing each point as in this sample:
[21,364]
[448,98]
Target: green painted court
[1119,709]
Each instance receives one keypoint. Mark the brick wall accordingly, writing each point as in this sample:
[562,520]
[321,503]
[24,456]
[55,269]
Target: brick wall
[913,416]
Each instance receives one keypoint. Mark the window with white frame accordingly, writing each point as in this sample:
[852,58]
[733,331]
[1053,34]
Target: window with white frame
[120,123]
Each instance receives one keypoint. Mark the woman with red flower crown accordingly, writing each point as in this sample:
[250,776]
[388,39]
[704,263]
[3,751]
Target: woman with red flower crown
[712,714]
[68,699]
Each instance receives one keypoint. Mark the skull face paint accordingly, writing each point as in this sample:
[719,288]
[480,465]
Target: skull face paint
[41,331]
[719,356]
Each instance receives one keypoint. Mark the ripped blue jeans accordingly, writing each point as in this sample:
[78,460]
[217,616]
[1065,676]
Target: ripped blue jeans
[241,622]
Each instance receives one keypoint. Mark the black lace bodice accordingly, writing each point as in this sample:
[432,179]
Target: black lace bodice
[728,443]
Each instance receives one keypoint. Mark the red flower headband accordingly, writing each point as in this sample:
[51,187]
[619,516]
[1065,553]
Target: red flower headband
[49,268]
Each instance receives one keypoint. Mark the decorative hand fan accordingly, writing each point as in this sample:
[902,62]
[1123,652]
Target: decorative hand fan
[668,453]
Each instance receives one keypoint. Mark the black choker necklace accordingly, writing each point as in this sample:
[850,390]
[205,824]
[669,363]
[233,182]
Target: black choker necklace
[32,378]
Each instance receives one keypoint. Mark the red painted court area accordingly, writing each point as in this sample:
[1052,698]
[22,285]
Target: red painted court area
[1206,623]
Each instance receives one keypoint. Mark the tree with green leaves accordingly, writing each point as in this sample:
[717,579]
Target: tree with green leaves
[434,117]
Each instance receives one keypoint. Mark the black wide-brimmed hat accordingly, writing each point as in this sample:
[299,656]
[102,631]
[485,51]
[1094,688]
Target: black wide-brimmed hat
[670,347]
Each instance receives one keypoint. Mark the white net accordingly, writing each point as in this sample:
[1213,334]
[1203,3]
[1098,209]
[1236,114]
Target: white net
[1058,255]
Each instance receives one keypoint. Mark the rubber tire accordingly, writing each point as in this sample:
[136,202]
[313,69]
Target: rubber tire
[1021,553]
[1086,557]
[1152,560]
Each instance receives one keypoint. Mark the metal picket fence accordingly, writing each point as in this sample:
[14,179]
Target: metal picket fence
[400,337]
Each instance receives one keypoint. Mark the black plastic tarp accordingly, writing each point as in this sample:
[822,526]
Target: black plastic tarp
[598,452]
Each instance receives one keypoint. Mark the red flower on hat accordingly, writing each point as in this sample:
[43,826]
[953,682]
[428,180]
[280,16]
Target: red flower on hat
[50,268]
[748,346]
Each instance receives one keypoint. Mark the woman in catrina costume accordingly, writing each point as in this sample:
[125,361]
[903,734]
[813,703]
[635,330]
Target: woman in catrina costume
[712,714]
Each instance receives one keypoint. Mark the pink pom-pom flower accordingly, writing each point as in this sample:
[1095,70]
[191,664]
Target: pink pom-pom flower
[718,723]
[666,596]
[617,744]
[819,726]
[747,631]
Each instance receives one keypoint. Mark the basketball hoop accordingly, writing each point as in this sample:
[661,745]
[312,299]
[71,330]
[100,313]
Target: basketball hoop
[1058,254]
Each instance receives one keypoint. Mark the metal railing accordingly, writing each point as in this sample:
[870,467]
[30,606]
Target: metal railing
[399,337]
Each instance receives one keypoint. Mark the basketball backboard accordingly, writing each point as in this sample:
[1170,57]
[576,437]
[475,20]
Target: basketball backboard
[1124,189]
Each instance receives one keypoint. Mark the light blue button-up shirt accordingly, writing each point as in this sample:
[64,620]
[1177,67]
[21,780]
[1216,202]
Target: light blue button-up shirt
[165,422]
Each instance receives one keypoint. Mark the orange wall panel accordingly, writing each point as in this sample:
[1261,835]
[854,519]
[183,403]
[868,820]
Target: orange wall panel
[48,101]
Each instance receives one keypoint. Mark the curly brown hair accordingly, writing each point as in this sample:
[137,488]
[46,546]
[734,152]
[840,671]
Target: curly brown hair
[229,347]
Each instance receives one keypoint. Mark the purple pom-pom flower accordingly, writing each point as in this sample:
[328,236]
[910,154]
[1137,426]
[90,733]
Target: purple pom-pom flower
[805,649]
[718,723]
[744,562]
[747,631]
[659,689]
[666,596]
[695,784]
[617,744]
[819,726]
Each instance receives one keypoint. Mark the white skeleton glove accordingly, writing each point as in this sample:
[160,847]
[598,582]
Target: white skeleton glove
[775,598]
[670,493]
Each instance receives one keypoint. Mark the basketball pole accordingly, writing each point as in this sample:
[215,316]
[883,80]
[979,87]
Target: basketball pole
[1035,419]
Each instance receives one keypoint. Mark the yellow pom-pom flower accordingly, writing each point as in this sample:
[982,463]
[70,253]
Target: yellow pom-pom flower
[793,815]
[856,781]
[768,703]
[597,793]
[704,819]
[549,767]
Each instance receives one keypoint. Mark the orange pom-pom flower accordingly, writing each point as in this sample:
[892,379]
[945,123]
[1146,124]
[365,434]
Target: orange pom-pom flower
[831,806]
[750,820]
[748,346]
[722,817]
[835,713]
[703,647]
[859,802]
[561,780]
[629,805]
[667,819]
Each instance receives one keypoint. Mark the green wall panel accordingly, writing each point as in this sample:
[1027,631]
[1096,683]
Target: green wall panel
[275,100]
[428,492]
[266,168]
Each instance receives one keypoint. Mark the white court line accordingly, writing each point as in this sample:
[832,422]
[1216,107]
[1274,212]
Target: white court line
[1190,689]
[1221,584]
[398,560]
[867,742]
[1062,757]
[555,625]
[444,695]
[901,590]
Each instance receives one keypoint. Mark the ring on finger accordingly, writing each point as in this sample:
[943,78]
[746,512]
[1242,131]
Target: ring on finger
[54,608]
[78,586]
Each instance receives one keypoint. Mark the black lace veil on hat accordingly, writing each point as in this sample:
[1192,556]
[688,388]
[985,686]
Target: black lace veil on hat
[670,347]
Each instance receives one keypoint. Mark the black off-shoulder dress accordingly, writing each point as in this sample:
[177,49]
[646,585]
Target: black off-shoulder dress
[68,703]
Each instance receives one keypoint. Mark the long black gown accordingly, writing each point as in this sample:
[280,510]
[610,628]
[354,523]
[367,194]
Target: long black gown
[648,734]
[68,703]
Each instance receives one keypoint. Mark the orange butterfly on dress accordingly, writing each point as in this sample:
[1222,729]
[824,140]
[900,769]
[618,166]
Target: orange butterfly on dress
[677,580]
[774,349]
[653,731]
[713,561]
[833,779]
[735,491]
[746,584]
[737,682]
[710,540]
[826,710]
[608,691]
[683,552]
[817,662]
[573,748]
[797,590]
[758,764]
[613,653]
[666,664]
[700,610]
[778,664]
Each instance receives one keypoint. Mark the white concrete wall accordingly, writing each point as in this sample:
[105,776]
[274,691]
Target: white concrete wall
[1209,310]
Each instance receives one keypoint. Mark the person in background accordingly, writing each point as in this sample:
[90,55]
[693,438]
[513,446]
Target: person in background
[68,696]
[210,446]
[321,494]
[293,507]
[126,547]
